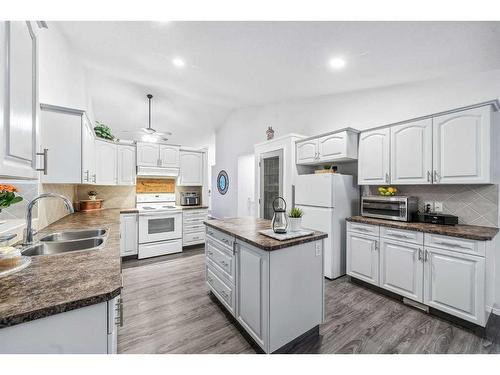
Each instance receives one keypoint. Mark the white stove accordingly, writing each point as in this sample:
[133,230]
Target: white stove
[160,225]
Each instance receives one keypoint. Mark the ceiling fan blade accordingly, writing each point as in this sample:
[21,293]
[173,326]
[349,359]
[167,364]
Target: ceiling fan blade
[163,133]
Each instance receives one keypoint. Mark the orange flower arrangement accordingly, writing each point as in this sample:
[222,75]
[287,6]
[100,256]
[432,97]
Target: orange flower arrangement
[9,188]
[8,196]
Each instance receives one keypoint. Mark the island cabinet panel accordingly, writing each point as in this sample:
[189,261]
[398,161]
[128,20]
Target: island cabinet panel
[253,292]
[80,331]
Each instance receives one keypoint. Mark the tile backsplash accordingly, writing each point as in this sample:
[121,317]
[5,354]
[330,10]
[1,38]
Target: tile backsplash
[114,196]
[26,189]
[473,204]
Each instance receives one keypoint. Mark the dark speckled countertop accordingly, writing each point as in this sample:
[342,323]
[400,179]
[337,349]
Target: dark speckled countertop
[247,229]
[472,232]
[63,282]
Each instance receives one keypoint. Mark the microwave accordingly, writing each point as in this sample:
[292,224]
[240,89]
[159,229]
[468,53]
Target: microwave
[398,208]
[190,199]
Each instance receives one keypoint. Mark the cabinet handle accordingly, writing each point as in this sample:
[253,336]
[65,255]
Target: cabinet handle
[419,254]
[87,175]
[224,294]
[387,178]
[398,235]
[45,160]
[429,176]
[426,255]
[437,177]
[119,311]
[452,244]
[361,229]
[224,263]
[94,178]
[210,253]
[376,245]
[210,280]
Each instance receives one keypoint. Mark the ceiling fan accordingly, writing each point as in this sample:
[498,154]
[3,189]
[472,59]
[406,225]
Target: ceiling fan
[149,130]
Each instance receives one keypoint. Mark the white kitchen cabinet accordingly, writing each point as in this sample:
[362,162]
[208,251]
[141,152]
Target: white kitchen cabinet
[191,168]
[106,163]
[88,152]
[362,260]
[129,239]
[253,291]
[462,147]
[148,154]
[411,153]
[374,157]
[87,330]
[193,228]
[61,135]
[455,283]
[402,268]
[126,165]
[169,156]
[18,100]
[307,151]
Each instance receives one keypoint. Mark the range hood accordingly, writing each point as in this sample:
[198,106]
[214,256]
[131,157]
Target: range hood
[157,172]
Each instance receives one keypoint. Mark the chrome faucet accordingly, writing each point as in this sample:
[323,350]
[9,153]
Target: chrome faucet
[28,235]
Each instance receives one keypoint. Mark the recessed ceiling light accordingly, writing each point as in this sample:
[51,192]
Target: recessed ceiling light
[178,62]
[337,63]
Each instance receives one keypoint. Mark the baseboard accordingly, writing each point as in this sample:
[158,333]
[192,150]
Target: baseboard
[495,310]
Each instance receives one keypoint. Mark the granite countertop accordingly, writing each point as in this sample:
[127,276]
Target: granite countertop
[135,210]
[472,232]
[56,283]
[247,229]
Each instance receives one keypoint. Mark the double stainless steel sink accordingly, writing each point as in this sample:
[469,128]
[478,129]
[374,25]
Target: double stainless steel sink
[66,241]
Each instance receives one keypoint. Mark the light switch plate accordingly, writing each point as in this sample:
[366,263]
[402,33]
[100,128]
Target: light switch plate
[438,206]
[318,249]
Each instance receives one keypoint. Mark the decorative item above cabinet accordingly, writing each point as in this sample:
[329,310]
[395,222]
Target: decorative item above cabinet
[453,147]
[338,146]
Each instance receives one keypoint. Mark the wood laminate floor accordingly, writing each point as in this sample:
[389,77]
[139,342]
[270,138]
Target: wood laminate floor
[168,309]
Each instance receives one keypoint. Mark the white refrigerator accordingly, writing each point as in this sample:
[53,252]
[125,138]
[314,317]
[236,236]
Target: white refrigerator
[327,200]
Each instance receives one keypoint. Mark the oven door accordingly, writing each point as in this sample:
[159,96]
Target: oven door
[159,226]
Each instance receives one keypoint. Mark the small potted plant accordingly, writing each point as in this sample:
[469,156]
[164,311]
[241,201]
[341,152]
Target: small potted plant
[295,216]
[8,196]
[92,195]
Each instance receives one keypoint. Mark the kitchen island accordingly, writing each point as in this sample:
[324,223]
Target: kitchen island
[274,289]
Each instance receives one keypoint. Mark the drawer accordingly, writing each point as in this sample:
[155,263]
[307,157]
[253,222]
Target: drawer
[373,230]
[222,259]
[159,248]
[193,238]
[194,220]
[194,213]
[462,245]
[223,238]
[402,235]
[194,228]
[221,290]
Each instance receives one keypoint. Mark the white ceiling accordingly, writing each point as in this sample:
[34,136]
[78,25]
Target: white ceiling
[234,64]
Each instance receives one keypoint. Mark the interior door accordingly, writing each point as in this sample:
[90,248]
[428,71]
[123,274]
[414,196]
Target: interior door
[402,268]
[373,159]
[411,153]
[363,257]
[271,181]
[462,147]
[454,283]
[148,154]
[18,92]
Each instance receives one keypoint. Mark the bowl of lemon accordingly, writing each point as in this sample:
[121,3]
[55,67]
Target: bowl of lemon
[387,191]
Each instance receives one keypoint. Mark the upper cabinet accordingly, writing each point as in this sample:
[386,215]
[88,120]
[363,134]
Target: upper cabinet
[106,163]
[126,165]
[157,155]
[333,147]
[18,100]
[462,147]
[374,157]
[89,173]
[191,171]
[411,153]
[454,148]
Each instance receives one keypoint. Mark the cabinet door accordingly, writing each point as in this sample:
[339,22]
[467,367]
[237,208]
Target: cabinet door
[363,257]
[191,171]
[253,292]
[411,153]
[332,147]
[402,268]
[373,161]
[18,99]
[88,152]
[126,165]
[128,234]
[169,156]
[307,151]
[148,154]
[454,283]
[106,167]
[462,147]
[61,134]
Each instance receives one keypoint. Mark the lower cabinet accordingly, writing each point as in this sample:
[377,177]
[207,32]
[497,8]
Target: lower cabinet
[193,229]
[451,278]
[401,268]
[87,330]
[363,257]
[455,283]
[129,227]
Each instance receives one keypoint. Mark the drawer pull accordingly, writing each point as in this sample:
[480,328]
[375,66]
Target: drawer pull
[361,229]
[398,235]
[210,253]
[224,294]
[210,280]
[210,233]
[224,263]
[452,244]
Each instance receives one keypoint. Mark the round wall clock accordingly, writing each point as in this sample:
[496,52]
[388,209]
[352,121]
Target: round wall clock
[222,182]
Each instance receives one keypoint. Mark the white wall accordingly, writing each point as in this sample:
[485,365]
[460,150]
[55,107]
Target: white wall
[246,185]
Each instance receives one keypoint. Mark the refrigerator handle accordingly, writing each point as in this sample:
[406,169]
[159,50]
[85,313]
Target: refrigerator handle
[293,196]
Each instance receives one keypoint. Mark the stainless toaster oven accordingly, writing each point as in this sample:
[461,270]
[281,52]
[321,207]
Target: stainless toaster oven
[190,199]
[398,208]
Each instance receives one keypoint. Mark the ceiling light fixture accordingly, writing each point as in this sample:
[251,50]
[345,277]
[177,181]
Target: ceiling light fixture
[178,62]
[337,63]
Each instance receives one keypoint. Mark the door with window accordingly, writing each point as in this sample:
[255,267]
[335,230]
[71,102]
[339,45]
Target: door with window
[271,181]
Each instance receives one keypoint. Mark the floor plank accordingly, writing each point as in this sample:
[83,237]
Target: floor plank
[168,309]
